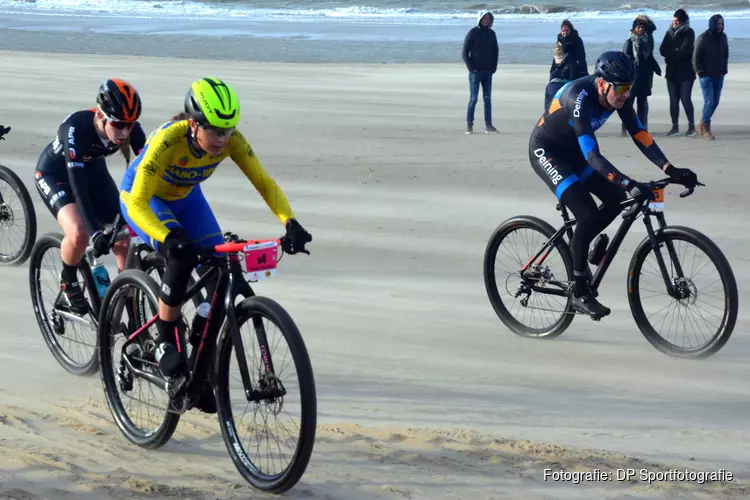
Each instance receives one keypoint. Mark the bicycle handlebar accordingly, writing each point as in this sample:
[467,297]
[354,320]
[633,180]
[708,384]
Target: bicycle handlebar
[113,234]
[233,244]
[636,205]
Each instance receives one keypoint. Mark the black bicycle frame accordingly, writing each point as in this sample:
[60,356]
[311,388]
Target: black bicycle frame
[229,285]
[629,218]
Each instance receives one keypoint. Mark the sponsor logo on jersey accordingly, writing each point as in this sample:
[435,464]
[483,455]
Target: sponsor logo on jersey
[195,174]
[547,165]
[579,101]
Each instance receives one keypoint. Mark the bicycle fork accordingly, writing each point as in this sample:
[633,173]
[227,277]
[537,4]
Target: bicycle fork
[666,275]
[265,390]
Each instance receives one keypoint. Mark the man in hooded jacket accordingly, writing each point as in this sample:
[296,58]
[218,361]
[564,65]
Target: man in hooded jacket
[710,61]
[480,53]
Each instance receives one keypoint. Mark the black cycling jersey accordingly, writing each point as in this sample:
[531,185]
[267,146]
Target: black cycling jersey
[563,148]
[76,149]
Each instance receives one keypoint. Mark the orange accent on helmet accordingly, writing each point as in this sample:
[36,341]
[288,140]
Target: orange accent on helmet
[119,100]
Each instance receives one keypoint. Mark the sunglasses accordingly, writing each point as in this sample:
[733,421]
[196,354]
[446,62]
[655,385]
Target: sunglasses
[621,88]
[217,131]
[121,125]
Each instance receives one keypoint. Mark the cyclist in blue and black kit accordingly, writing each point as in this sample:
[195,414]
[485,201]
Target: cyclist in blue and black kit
[564,152]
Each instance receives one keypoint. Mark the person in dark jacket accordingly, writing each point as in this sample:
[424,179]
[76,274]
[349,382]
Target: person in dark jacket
[573,48]
[677,50]
[710,62]
[561,72]
[480,53]
[640,48]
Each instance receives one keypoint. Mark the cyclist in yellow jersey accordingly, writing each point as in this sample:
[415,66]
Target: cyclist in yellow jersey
[161,199]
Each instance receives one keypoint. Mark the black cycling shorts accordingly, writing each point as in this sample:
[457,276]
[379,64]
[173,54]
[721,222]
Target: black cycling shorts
[557,168]
[56,191]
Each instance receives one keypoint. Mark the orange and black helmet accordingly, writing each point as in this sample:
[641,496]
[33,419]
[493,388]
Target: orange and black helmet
[119,100]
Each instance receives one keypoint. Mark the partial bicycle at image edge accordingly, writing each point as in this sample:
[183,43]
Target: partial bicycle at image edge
[535,280]
[10,213]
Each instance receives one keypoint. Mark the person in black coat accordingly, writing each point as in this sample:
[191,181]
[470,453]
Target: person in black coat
[573,48]
[677,50]
[480,54]
[710,62]
[640,48]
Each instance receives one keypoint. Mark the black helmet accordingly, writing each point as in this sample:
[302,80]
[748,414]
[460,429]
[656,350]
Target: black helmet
[615,66]
[119,100]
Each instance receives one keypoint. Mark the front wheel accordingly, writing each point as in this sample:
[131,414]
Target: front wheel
[701,307]
[535,302]
[273,397]
[17,219]
[71,338]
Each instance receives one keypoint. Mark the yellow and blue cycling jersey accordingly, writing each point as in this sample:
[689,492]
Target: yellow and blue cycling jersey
[161,189]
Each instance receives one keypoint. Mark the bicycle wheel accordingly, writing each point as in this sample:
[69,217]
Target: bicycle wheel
[264,313]
[525,293]
[70,338]
[714,308]
[15,205]
[118,380]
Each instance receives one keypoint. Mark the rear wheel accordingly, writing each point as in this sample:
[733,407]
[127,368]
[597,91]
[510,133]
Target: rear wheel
[138,405]
[517,297]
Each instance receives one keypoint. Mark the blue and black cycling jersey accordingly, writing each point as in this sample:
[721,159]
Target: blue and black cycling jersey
[563,146]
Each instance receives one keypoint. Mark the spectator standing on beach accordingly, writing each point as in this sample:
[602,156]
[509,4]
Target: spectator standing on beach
[573,48]
[640,48]
[710,62]
[677,50]
[561,72]
[480,54]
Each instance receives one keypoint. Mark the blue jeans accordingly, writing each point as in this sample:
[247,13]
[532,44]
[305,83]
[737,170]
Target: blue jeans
[711,87]
[476,78]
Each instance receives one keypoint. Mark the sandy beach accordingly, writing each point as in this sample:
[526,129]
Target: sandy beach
[422,392]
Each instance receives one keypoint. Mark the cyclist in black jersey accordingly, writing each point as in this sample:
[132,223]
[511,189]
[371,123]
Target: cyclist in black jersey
[73,180]
[564,152]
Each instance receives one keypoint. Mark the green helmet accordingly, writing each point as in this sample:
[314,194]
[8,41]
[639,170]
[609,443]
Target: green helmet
[212,102]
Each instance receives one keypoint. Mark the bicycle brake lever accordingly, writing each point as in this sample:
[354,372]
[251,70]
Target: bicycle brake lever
[690,190]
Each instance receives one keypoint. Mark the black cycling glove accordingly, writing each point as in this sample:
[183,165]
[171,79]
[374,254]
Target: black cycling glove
[296,237]
[683,176]
[179,245]
[640,191]
[101,243]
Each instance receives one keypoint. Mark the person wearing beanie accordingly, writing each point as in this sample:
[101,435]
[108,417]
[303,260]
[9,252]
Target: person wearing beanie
[677,50]
[640,47]
[710,62]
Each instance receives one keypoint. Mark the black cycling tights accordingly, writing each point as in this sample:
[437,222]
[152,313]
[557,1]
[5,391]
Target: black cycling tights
[174,286]
[590,219]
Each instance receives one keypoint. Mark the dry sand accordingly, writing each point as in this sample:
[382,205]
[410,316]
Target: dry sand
[422,393]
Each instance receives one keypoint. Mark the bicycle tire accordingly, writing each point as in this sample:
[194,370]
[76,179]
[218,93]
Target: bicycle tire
[19,188]
[46,242]
[731,295]
[502,231]
[147,286]
[285,480]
